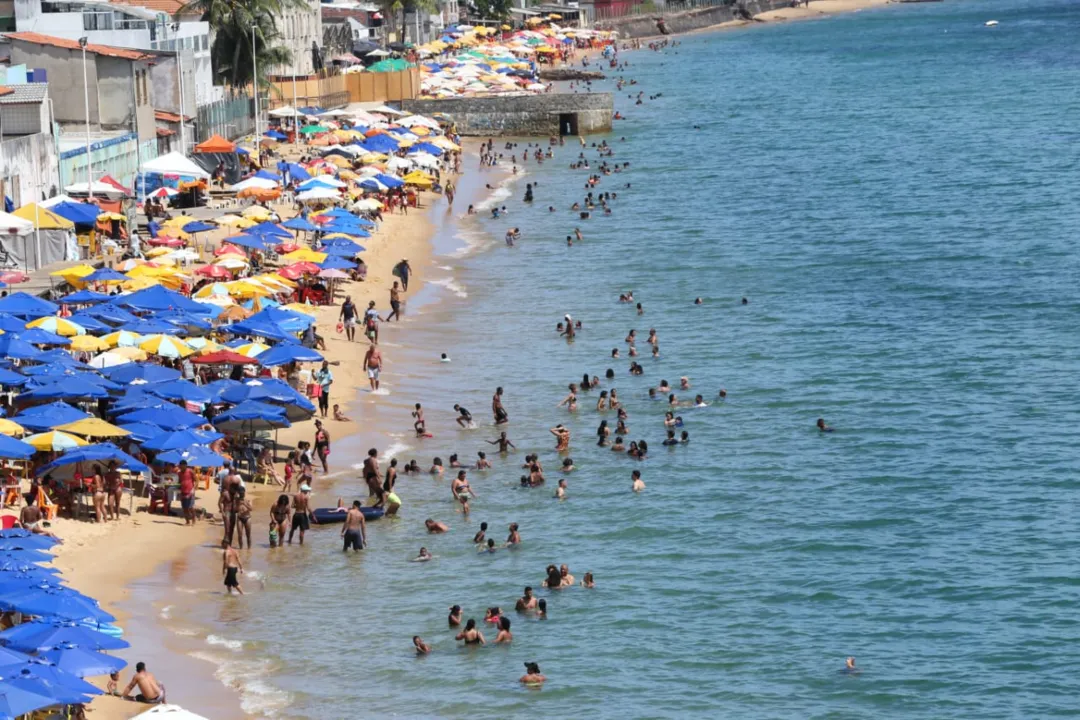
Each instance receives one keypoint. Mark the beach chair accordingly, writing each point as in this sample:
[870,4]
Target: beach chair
[48,507]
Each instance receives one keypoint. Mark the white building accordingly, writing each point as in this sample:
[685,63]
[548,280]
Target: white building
[300,31]
[138,24]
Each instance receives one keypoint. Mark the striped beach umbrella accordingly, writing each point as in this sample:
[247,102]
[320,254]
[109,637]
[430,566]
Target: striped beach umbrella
[251,349]
[166,346]
[57,325]
[123,338]
[89,343]
[54,440]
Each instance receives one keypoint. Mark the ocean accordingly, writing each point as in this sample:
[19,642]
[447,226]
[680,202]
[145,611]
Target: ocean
[895,193]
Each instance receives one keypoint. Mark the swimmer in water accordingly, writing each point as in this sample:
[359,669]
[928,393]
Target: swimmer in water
[560,491]
[849,667]
[587,581]
[504,637]
[478,538]
[822,426]
[470,635]
[532,675]
[526,602]
[699,401]
[454,619]
[422,648]
[424,556]
[514,538]
[489,548]
[444,358]
[699,301]
[684,383]
[503,442]
[434,527]
[639,484]
[722,394]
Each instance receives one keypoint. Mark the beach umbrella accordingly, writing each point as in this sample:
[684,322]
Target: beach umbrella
[150,326]
[228,249]
[133,354]
[82,662]
[110,313]
[65,387]
[180,439]
[46,417]
[105,275]
[15,701]
[37,336]
[46,599]
[15,349]
[300,223]
[198,226]
[101,452]
[11,657]
[92,323]
[333,274]
[140,432]
[268,330]
[337,263]
[10,378]
[55,440]
[149,373]
[122,338]
[111,359]
[45,634]
[85,297]
[249,241]
[13,449]
[223,357]
[10,323]
[88,343]
[93,427]
[169,418]
[264,229]
[194,456]
[251,350]
[159,298]
[287,352]
[26,305]
[166,346]
[25,556]
[139,398]
[36,669]
[27,542]
[251,416]
[181,390]
[186,321]
[11,428]
[214,271]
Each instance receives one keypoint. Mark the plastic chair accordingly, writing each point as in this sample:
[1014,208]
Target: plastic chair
[48,507]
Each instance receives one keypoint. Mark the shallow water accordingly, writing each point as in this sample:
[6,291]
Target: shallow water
[895,193]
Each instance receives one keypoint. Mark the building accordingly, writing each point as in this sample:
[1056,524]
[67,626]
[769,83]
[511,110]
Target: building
[138,24]
[28,158]
[347,23]
[115,101]
[302,33]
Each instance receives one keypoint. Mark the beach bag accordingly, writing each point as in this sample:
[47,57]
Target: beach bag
[314,390]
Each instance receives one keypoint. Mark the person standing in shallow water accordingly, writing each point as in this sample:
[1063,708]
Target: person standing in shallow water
[497,408]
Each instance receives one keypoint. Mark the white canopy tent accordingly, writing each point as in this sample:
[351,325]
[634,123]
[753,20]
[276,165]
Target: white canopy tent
[174,164]
[100,189]
[285,112]
[14,226]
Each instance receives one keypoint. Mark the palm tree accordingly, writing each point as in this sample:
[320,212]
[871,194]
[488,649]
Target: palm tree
[232,22]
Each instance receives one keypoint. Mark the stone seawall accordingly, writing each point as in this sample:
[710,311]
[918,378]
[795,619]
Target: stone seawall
[529,115]
[645,25]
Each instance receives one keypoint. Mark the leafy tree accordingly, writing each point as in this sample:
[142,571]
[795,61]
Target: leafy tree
[233,22]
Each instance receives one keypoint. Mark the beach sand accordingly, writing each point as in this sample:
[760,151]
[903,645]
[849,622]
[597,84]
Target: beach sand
[820,8]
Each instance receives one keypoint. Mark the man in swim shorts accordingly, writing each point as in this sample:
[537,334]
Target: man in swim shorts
[301,513]
[464,418]
[497,408]
[150,690]
[348,318]
[373,364]
[231,566]
[354,530]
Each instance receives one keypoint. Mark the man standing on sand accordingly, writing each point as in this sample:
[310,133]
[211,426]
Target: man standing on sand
[187,492]
[403,270]
[497,408]
[150,690]
[348,318]
[395,303]
[355,530]
[230,567]
[373,365]
[301,513]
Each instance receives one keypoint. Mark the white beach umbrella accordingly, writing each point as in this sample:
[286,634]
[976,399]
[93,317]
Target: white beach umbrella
[168,712]
[254,182]
[318,193]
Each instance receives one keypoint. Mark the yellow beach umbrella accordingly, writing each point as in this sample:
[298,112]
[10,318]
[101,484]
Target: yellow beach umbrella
[304,255]
[112,216]
[140,283]
[89,343]
[180,221]
[76,271]
[230,220]
[11,428]
[248,289]
[55,440]
[156,252]
[57,325]
[122,338]
[302,307]
[257,213]
[166,346]
[251,349]
[133,354]
[93,427]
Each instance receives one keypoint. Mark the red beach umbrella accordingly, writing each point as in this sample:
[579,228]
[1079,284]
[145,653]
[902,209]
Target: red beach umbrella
[224,357]
[214,271]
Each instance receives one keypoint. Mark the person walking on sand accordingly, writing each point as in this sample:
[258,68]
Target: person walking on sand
[348,318]
[187,492]
[324,378]
[403,270]
[301,513]
[230,567]
[373,365]
[354,532]
[395,303]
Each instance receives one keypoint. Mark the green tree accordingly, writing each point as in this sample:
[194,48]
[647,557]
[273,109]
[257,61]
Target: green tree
[392,8]
[241,26]
[492,9]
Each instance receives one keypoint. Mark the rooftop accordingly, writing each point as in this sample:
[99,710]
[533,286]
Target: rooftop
[107,50]
[170,7]
[166,116]
[26,93]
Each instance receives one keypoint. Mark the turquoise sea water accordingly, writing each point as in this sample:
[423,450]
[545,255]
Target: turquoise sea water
[896,193]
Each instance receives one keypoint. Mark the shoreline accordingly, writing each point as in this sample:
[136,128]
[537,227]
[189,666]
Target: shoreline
[133,566]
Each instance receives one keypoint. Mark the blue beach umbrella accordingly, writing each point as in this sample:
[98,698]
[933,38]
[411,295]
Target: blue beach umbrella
[157,298]
[426,147]
[346,251]
[180,439]
[15,701]
[297,407]
[62,694]
[198,226]
[64,388]
[150,326]
[268,330]
[199,457]
[251,416]
[30,542]
[111,313]
[46,417]
[13,449]
[100,452]
[10,378]
[11,657]
[186,321]
[287,320]
[37,336]
[337,263]
[59,355]
[26,305]
[141,399]
[38,669]
[125,374]
[268,228]
[300,223]
[181,390]
[141,431]
[91,323]
[82,662]
[248,241]
[169,418]
[44,634]
[16,349]
[104,275]
[10,323]
[86,297]
[287,352]
[77,212]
